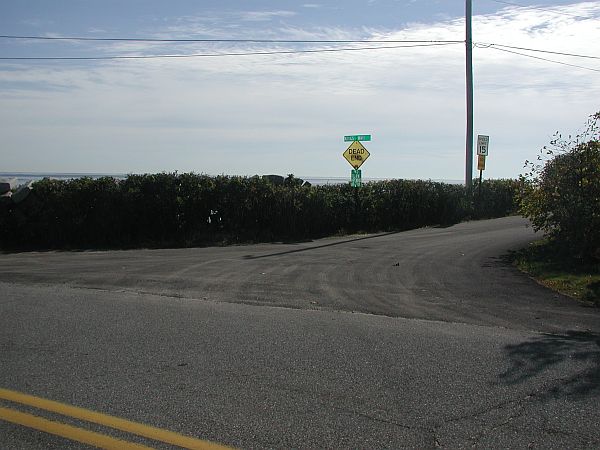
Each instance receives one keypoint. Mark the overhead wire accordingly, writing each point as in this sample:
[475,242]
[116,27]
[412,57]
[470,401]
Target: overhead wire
[200,55]
[405,44]
[511,48]
[575,55]
[402,44]
[493,46]
[536,57]
[257,41]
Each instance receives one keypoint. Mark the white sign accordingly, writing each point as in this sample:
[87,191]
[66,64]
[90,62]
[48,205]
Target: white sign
[483,143]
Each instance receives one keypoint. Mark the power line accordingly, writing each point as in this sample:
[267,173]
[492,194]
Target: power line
[540,51]
[250,41]
[562,13]
[199,55]
[280,41]
[406,44]
[536,57]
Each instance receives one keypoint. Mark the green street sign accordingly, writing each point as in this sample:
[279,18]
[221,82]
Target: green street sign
[357,137]
[356,178]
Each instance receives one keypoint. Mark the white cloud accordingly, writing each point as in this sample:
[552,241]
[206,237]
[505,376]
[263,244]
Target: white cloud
[288,113]
[259,16]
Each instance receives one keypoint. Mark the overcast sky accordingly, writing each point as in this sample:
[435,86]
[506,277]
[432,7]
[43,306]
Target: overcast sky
[287,113]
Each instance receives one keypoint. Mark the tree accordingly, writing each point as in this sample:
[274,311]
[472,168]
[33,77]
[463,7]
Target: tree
[561,193]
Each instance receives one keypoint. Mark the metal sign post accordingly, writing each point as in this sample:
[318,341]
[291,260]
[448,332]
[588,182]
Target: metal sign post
[356,154]
[481,168]
[483,147]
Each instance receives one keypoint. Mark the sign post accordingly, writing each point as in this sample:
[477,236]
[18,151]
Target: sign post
[483,143]
[356,154]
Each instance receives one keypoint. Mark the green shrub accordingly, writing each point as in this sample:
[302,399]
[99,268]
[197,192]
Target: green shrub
[171,209]
[562,196]
[496,198]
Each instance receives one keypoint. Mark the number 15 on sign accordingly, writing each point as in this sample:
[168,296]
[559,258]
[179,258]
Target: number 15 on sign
[483,144]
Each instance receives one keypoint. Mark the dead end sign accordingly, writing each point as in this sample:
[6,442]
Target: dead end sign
[356,154]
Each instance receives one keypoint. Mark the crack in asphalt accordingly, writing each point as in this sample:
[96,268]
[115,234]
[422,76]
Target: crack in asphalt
[517,412]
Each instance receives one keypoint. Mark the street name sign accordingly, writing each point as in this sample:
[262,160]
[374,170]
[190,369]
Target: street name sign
[483,143]
[357,137]
[356,177]
[356,154]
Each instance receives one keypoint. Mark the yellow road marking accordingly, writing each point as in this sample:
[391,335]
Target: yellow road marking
[157,434]
[67,431]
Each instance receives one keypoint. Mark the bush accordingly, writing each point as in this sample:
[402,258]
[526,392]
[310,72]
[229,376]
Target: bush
[562,196]
[171,209]
[496,198]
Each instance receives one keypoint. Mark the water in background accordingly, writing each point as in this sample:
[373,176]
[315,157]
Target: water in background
[25,177]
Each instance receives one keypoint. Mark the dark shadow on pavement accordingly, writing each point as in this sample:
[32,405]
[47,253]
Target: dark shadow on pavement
[536,356]
[305,249]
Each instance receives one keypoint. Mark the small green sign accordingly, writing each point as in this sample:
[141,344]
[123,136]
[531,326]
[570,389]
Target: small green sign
[357,137]
[356,177]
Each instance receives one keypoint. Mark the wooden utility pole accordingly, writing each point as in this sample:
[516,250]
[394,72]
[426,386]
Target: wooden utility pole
[469,78]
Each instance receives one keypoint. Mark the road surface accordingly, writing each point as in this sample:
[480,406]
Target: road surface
[420,339]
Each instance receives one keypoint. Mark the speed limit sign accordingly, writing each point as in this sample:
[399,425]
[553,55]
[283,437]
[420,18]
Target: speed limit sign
[483,143]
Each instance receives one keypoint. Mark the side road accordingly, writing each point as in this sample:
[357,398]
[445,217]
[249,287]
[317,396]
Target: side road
[455,274]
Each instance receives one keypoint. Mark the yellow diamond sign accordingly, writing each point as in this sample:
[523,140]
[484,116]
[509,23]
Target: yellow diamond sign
[356,154]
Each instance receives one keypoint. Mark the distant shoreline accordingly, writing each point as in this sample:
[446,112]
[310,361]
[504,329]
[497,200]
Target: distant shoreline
[25,177]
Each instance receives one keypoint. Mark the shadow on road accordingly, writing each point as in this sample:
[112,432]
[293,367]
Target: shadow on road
[536,356]
[305,249]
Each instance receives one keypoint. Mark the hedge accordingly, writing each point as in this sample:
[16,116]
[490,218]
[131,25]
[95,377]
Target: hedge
[176,210]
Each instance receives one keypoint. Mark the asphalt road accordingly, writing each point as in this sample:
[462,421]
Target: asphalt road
[420,339]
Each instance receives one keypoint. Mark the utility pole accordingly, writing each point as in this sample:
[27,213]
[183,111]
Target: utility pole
[469,77]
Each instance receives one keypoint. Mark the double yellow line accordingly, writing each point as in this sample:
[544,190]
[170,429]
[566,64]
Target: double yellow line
[91,437]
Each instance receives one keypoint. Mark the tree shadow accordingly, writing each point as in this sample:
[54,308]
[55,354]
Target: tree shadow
[540,354]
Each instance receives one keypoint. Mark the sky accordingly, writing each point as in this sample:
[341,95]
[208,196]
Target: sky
[283,112]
